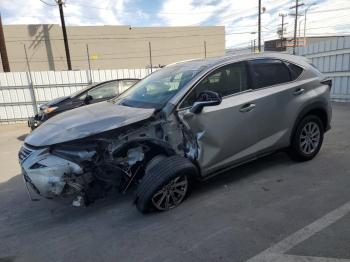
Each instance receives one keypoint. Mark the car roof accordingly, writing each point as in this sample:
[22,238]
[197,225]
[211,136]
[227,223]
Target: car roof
[209,62]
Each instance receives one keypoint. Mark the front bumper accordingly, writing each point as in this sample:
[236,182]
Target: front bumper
[47,174]
[35,121]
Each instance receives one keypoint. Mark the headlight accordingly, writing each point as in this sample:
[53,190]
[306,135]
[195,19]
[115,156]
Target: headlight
[48,110]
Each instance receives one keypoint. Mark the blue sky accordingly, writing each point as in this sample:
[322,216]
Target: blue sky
[239,17]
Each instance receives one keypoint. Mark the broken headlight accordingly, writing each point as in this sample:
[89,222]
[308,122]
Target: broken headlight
[48,110]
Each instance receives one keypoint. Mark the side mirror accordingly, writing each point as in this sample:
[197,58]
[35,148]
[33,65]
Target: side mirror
[88,99]
[206,98]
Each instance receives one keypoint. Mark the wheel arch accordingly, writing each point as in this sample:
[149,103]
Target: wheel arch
[319,109]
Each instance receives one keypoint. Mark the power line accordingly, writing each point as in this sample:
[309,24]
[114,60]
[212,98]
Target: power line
[47,3]
[330,10]
[320,27]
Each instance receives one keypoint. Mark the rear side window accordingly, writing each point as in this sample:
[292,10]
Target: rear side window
[268,72]
[295,71]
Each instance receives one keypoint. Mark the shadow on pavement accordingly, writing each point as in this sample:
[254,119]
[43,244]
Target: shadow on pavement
[13,194]
[246,171]
[21,138]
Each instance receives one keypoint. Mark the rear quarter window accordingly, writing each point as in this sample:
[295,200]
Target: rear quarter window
[295,71]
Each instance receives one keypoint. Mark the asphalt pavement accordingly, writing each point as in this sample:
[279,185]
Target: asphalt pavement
[273,209]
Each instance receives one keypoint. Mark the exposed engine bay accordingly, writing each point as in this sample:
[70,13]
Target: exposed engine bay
[90,167]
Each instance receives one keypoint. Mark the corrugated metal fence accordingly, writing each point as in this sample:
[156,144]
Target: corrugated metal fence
[22,92]
[332,57]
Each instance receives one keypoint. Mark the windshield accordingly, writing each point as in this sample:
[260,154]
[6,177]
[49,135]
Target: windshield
[155,90]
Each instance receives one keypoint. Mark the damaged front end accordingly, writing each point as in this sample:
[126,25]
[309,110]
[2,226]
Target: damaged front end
[90,167]
[48,174]
[91,150]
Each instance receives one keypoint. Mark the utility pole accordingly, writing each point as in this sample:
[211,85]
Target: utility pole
[299,28]
[89,63]
[259,27]
[305,26]
[297,4]
[205,49]
[65,39]
[282,28]
[88,56]
[307,9]
[3,51]
[31,90]
[254,45]
[150,56]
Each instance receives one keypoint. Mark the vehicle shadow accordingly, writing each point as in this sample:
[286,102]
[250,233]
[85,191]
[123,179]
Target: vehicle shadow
[247,172]
[13,193]
[15,204]
[22,137]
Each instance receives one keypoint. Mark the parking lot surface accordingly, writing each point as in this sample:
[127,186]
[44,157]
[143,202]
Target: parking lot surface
[272,209]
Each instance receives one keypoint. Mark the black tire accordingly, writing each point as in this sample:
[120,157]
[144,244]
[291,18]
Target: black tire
[158,176]
[296,150]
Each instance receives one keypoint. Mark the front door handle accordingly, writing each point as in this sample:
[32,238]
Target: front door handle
[299,91]
[247,108]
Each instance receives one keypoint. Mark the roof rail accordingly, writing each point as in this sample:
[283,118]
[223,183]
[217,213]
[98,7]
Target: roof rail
[183,61]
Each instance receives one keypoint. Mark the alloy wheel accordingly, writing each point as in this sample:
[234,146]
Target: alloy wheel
[172,194]
[309,138]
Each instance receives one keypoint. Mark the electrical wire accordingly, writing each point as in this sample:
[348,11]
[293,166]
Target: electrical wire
[47,3]
[329,10]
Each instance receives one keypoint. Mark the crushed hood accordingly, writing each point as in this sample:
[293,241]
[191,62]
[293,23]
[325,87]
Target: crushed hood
[85,121]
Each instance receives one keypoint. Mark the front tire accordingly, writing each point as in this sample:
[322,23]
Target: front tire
[165,185]
[308,138]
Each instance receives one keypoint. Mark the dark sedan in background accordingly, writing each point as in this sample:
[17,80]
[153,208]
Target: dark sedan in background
[92,94]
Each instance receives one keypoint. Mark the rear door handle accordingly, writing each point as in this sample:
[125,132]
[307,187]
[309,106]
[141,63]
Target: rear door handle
[247,108]
[299,91]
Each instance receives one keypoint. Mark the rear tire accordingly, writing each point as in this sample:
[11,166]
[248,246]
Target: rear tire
[165,185]
[308,138]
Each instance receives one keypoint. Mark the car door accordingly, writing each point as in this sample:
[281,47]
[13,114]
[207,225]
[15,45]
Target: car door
[226,132]
[274,93]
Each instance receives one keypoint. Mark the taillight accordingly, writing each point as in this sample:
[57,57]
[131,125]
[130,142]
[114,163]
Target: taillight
[327,82]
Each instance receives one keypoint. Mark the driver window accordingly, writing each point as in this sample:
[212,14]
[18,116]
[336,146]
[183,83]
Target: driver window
[227,80]
[107,90]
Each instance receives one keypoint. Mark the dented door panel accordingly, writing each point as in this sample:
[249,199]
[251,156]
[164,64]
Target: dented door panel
[224,134]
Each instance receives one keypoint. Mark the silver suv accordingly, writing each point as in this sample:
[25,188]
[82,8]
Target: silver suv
[187,121]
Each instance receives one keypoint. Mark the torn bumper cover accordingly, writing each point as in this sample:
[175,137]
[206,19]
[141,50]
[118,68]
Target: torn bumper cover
[46,173]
